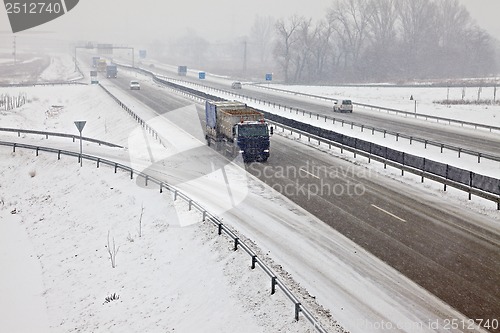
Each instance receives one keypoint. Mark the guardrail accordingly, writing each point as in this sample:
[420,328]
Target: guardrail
[64,135]
[33,84]
[388,110]
[134,115]
[207,216]
[362,127]
[448,170]
[465,180]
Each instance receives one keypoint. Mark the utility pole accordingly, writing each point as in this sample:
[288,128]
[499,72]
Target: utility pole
[14,52]
[245,57]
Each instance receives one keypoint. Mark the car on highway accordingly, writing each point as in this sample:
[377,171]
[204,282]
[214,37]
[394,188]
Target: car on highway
[236,85]
[135,85]
[342,105]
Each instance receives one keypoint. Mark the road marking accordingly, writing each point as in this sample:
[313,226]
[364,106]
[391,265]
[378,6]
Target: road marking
[309,173]
[383,210]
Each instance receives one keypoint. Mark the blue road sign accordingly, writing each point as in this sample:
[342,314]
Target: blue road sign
[201,75]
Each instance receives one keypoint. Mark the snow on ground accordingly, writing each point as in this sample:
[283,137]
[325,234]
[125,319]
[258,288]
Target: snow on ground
[177,276]
[399,98]
[165,223]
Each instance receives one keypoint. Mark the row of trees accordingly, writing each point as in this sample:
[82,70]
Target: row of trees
[356,41]
[366,40]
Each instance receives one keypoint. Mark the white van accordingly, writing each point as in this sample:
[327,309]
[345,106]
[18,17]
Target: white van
[342,105]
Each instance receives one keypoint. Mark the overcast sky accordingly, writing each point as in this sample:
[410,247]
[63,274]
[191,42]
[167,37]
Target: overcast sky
[122,21]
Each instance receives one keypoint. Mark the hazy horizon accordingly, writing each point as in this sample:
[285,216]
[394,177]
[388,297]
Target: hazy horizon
[131,22]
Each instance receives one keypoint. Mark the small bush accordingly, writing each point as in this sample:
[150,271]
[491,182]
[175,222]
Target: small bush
[110,298]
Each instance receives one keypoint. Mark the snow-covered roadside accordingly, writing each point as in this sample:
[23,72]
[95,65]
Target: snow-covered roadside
[172,273]
[399,98]
[386,303]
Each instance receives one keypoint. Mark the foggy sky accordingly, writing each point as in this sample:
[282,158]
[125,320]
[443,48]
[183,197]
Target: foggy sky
[133,22]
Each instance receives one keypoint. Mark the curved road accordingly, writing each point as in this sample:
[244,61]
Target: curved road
[444,249]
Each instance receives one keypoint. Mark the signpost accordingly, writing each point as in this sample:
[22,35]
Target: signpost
[269,77]
[80,125]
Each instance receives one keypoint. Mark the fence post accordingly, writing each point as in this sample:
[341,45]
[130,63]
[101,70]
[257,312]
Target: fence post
[219,228]
[98,160]
[254,260]
[470,184]
[297,310]
[131,174]
[423,171]
[273,285]
[236,241]
[446,176]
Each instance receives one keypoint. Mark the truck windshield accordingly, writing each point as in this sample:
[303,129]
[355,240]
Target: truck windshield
[249,130]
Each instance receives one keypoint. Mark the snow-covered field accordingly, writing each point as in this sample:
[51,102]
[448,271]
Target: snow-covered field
[172,272]
[178,276]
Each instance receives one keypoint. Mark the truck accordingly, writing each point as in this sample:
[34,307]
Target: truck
[101,65]
[235,128]
[94,61]
[111,71]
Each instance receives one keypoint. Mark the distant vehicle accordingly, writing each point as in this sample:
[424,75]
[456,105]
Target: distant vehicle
[94,61]
[101,65]
[235,128]
[182,70]
[342,105]
[111,71]
[135,85]
[236,85]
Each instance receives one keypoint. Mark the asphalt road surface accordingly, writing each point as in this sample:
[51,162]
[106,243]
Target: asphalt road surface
[443,249]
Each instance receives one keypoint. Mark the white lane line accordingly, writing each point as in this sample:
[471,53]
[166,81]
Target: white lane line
[309,173]
[383,210]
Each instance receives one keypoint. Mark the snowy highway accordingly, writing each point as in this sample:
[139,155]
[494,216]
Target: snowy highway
[480,141]
[361,240]
[430,241]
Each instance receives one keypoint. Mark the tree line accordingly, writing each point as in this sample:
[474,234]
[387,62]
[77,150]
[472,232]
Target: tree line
[378,40]
[356,41]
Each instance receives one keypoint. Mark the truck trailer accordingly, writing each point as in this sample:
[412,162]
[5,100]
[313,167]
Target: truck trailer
[111,71]
[235,128]
[101,65]
[94,61]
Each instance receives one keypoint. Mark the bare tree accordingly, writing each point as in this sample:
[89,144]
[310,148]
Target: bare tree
[287,37]
[419,36]
[350,20]
[382,34]
[261,36]
[112,252]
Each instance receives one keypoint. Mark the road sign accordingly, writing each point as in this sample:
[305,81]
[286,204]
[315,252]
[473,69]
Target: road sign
[269,77]
[201,75]
[80,125]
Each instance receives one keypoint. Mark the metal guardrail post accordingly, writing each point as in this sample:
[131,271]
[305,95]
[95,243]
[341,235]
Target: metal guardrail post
[273,285]
[297,311]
